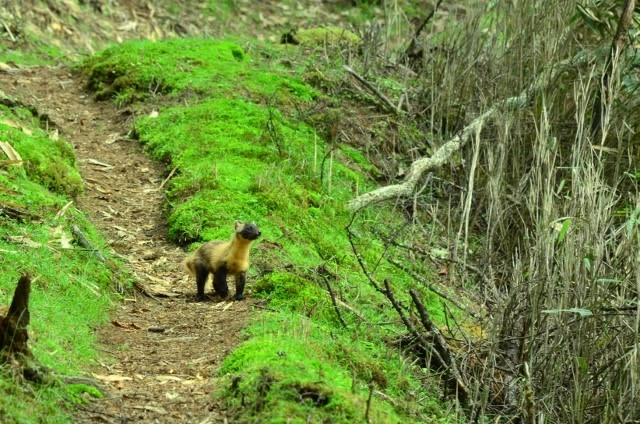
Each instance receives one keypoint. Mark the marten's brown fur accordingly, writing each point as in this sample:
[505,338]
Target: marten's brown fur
[221,258]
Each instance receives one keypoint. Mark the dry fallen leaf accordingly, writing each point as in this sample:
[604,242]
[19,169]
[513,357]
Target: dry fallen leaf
[25,241]
[10,152]
[112,378]
[171,395]
[168,378]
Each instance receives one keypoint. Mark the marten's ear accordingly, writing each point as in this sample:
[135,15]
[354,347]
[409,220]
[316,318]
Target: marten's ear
[238,226]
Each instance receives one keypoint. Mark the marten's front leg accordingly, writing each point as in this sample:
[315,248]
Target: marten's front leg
[241,278]
[202,272]
[220,282]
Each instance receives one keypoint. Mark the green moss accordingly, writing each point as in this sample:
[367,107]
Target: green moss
[47,160]
[283,372]
[136,70]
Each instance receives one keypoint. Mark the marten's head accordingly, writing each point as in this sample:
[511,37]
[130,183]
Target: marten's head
[247,231]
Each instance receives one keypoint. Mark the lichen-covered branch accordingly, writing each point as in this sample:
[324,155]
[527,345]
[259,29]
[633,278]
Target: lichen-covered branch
[419,167]
[444,153]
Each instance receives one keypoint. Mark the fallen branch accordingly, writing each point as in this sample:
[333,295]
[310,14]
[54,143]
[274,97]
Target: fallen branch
[457,384]
[444,153]
[16,212]
[374,90]
[431,286]
[80,238]
[407,323]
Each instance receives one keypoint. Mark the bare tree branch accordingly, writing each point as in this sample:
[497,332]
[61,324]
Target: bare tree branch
[444,153]
[411,50]
[617,46]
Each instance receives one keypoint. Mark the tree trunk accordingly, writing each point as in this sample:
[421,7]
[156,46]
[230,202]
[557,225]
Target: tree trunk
[13,327]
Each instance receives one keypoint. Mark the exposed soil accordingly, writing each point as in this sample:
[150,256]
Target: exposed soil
[161,349]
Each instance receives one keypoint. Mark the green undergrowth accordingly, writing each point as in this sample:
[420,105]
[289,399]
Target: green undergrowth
[228,128]
[30,52]
[141,69]
[71,290]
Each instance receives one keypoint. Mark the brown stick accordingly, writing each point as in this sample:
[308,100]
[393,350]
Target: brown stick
[350,235]
[617,46]
[366,413]
[412,45]
[442,348]
[16,212]
[333,300]
[412,329]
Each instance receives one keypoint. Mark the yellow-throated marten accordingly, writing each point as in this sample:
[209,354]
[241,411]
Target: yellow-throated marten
[221,258]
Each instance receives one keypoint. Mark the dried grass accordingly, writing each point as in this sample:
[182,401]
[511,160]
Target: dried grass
[552,211]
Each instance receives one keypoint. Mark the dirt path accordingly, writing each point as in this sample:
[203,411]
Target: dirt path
[159,353]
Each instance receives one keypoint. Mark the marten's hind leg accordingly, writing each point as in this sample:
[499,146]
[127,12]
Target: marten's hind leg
[220,282]
[202,272]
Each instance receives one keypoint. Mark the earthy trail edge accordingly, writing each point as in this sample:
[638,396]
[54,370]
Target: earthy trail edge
[159,353]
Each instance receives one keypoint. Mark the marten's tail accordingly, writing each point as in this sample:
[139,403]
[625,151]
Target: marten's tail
[189,265]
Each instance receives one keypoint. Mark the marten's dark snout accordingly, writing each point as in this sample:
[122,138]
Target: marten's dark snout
[250,231]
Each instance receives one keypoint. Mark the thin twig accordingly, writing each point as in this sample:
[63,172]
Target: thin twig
[333,300]
[617,45]
[366,414]
[359,257]
[431,287]
[442,348]
[407,323]
[374,90]
[173,171]
[414,38]
[6,27]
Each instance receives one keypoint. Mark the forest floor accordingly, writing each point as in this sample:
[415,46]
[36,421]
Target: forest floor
[162,348]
